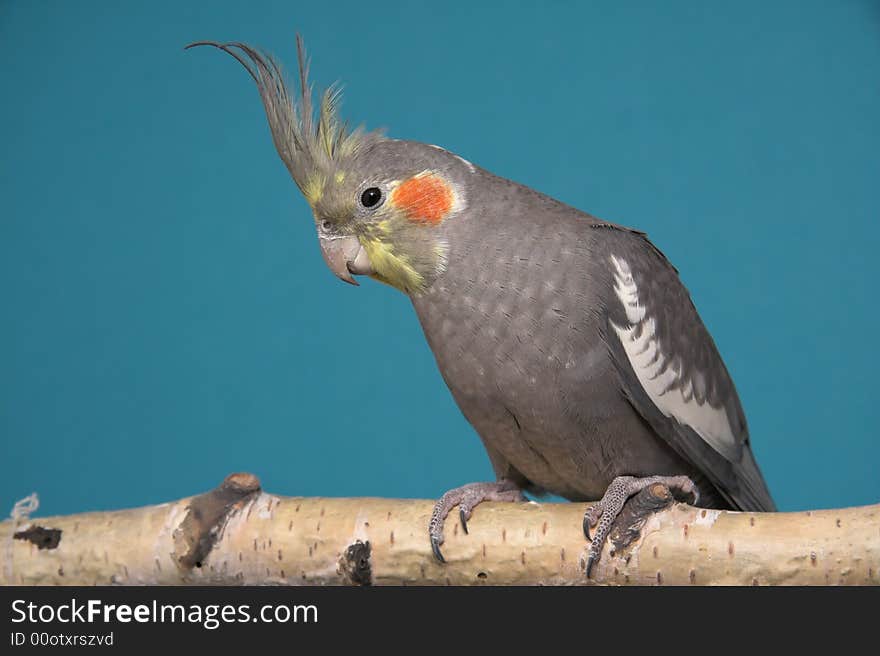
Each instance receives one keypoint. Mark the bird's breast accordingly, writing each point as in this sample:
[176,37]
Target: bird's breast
[518,344]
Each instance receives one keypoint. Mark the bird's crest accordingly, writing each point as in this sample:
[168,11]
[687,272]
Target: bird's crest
[312,147]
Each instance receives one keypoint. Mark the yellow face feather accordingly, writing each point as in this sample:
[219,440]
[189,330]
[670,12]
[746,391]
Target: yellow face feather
[313,189]
[391,268]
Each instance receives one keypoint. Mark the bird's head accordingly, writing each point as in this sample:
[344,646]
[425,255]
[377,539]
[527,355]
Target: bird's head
[379,204]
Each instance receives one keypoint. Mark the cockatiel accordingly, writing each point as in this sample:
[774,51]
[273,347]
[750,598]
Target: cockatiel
[568,342]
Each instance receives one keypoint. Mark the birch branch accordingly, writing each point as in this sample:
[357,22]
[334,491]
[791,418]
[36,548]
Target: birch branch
[237,534]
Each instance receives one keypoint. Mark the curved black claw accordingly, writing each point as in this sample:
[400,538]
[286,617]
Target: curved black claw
[590,561]
[591,518]
[463,519]
[435,547]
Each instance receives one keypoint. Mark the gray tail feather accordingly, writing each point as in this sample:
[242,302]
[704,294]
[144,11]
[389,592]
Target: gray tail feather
[753,494]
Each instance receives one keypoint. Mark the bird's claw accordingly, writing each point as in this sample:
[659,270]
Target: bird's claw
[603,513]
[590,519]
[467,498]
[590,560]
[435,547]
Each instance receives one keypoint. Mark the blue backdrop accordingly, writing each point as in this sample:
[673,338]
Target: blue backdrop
[167,317]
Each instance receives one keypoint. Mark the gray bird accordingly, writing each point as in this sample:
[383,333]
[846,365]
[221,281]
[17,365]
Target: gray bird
[568,342]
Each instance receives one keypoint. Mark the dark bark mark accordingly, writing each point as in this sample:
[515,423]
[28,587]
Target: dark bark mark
[207,516]
[44,538]
[355,563]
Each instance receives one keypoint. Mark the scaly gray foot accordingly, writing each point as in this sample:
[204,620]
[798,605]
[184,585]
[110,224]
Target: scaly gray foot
[605,511]
[467,497]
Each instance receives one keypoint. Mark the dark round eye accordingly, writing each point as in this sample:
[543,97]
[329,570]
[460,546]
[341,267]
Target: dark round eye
[326,225]
[371,197]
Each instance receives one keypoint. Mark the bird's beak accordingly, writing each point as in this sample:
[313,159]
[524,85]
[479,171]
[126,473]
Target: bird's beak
[345,256]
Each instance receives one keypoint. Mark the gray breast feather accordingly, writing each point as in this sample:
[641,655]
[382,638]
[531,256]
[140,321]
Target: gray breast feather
[677,390]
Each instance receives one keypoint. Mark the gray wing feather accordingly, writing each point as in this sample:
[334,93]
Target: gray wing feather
[671,371]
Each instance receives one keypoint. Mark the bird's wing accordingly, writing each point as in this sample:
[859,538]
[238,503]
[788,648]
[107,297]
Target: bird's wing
[671,371]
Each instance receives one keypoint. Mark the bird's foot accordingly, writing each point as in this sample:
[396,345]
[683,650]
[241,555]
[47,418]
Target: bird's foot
[467,497]
[606,510]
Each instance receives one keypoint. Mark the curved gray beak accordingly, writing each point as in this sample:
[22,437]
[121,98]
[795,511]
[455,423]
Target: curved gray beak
[345,256]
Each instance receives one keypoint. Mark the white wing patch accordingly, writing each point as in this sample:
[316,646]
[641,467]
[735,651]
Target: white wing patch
[626,290]
[662,380]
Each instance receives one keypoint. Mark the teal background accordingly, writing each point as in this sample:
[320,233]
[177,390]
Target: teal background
[167,317]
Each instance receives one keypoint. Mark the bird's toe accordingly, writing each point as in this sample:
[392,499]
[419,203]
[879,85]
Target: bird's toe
[467,497]
[603,514]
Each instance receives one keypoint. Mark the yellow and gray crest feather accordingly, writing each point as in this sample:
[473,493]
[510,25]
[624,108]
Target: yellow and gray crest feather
[311,148]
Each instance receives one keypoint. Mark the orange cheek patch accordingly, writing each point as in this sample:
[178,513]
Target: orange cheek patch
[424,198]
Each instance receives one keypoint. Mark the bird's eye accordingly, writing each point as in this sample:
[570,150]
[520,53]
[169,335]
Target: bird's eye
[326,225]
[371,197]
